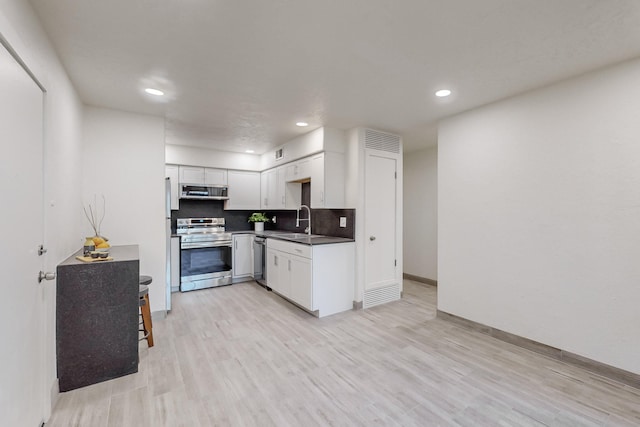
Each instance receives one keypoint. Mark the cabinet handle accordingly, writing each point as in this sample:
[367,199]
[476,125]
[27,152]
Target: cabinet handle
[289,265]
[236,242]
[275,260]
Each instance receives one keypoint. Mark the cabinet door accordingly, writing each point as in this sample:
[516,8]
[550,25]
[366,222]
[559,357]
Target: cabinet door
[264,189]
[172,172]
[299,170]
[304,168]
[273,279]
[300,281]
[242,255]
[280,189]
[327,181]
[244,190]
[215,176]
[317,181]
[191,175]
[272,189]
[284,274]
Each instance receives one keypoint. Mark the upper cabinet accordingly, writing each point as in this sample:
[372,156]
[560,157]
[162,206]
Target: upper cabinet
[299,170]
[277,193]
[244,190]
[172,172]
[327,181]
[191,175]
[215,176]
[202,176]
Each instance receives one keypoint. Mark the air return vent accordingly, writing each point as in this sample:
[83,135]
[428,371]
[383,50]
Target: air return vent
[381,141]
[379,296]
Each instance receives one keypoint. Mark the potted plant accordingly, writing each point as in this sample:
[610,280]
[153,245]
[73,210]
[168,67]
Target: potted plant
[258,219]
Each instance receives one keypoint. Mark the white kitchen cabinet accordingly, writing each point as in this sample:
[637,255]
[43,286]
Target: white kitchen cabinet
[268,184]
[202,176]
[244,190]
[292,278]
[319,278]
[215,176]
[280,194]
[191,175]
[327,181]
[272,265]
[300,286]
[299,170]
[173,173]
[242,256]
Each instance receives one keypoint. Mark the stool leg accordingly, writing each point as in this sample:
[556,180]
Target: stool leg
[146,320]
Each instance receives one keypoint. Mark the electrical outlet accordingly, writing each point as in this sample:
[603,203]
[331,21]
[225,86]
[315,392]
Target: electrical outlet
[273,219]
[343,221]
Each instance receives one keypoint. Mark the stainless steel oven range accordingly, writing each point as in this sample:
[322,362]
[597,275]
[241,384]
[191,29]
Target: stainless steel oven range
[205,253]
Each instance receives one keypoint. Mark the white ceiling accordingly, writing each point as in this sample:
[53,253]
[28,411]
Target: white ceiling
[239,73]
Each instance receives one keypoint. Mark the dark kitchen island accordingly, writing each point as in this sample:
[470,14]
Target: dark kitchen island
[97,318]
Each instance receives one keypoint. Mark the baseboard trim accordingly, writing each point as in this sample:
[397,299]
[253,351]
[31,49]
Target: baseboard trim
[599,368]
[419,279]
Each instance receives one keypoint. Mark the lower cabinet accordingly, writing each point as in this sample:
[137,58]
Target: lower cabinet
[320,278]
[242,257]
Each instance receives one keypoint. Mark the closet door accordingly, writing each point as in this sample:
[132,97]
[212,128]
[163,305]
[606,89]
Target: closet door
[22,308]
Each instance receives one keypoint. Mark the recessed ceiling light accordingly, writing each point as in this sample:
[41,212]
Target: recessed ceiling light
[443,92]
[302,124]
[155,92]
[250,151]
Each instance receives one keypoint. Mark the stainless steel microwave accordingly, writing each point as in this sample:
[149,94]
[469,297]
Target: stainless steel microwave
[204,192]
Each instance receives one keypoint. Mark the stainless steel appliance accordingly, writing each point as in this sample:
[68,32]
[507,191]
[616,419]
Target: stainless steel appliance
[205,253]
[259,258]
[204,192]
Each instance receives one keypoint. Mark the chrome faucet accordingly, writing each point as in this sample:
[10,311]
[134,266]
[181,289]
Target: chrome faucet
[308,219]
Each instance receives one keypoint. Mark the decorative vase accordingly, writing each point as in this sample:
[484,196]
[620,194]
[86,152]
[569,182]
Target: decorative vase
[258,227]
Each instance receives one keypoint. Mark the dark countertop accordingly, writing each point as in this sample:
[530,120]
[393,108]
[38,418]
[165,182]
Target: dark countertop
[312,240]
[279,234]
[118,253]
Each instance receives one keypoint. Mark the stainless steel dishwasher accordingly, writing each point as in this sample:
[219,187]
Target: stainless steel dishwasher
[259,258]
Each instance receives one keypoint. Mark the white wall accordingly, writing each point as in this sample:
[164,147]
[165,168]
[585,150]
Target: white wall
[123,159]
[194,156]
[62,155]
[539,215]
[420,233]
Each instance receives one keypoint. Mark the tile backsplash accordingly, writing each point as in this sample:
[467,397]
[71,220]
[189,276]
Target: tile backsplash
[324,221]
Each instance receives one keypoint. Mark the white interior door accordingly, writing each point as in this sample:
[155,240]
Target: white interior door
[380,221]
[21,191]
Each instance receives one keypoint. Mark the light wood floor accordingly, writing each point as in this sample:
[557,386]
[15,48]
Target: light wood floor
[241,356]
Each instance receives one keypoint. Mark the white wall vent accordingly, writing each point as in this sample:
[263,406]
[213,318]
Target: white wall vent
[381,141]
[279,153]
[379,296]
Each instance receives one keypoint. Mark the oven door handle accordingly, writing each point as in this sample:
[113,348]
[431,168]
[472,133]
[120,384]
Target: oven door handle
[199,245]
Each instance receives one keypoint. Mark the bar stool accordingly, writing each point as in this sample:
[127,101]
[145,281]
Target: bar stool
[145,309]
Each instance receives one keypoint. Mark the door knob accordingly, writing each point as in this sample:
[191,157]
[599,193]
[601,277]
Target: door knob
[372,238]
[45,276]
